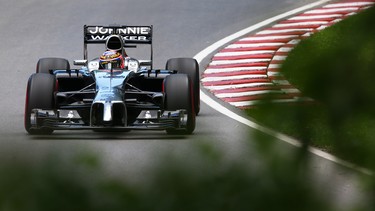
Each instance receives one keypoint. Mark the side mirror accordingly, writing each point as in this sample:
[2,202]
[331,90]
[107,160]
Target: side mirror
[81,62]
[145,62]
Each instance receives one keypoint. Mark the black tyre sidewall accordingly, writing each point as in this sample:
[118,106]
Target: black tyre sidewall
[190,67]
[44,65]
[39,94]
[178,95]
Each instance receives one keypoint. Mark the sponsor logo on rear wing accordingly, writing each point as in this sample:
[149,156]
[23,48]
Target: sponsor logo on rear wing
[130,34]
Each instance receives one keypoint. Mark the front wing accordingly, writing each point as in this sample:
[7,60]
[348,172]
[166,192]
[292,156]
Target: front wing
[70,120]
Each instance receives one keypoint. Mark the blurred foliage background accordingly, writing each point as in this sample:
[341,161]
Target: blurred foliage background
[335,67]
[207,181]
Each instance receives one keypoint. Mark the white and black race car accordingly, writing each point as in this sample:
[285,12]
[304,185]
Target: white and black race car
[134,97]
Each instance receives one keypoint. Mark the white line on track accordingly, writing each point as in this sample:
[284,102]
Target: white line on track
[234,86]
[314,17]
[320,11]
[271,73]
[274,66]
[279,58]
[238,61]
[250,93]
[244,53]
[220,108]
[255,102]
[234,69]
[349,4]
[285,49]
[312,23]
[254,45]
[281,82]
[235,77]
[278,31]
[268,38]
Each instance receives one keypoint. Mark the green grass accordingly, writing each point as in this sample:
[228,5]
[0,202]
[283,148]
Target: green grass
[336,67]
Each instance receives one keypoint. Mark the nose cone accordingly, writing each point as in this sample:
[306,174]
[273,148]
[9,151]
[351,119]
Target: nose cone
[107,113]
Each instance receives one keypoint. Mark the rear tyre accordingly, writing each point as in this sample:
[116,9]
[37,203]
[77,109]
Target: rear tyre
[44,65]
[190,67]
[178,95]
[39,94]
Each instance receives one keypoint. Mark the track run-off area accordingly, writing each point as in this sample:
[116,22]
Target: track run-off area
[247,65]
[249,68]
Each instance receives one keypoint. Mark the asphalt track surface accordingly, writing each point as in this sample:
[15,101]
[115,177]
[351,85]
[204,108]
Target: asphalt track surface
[31,29]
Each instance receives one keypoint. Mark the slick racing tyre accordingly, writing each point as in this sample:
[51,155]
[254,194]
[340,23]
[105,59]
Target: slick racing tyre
[44,65]
[190,67]
[39,94]
[178,95]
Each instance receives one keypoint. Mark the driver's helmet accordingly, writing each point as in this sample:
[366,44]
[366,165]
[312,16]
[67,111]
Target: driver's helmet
[111,60]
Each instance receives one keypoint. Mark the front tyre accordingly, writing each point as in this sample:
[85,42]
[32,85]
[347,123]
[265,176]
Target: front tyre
[190,67]
[178,95]
[44,65]
[39,94]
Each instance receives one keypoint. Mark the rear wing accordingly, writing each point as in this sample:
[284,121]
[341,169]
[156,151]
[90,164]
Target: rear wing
[132,35]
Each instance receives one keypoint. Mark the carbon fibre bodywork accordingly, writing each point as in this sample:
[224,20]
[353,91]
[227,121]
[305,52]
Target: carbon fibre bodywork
[103,99]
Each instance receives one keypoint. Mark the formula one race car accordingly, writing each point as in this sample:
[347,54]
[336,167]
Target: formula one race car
[114,92]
